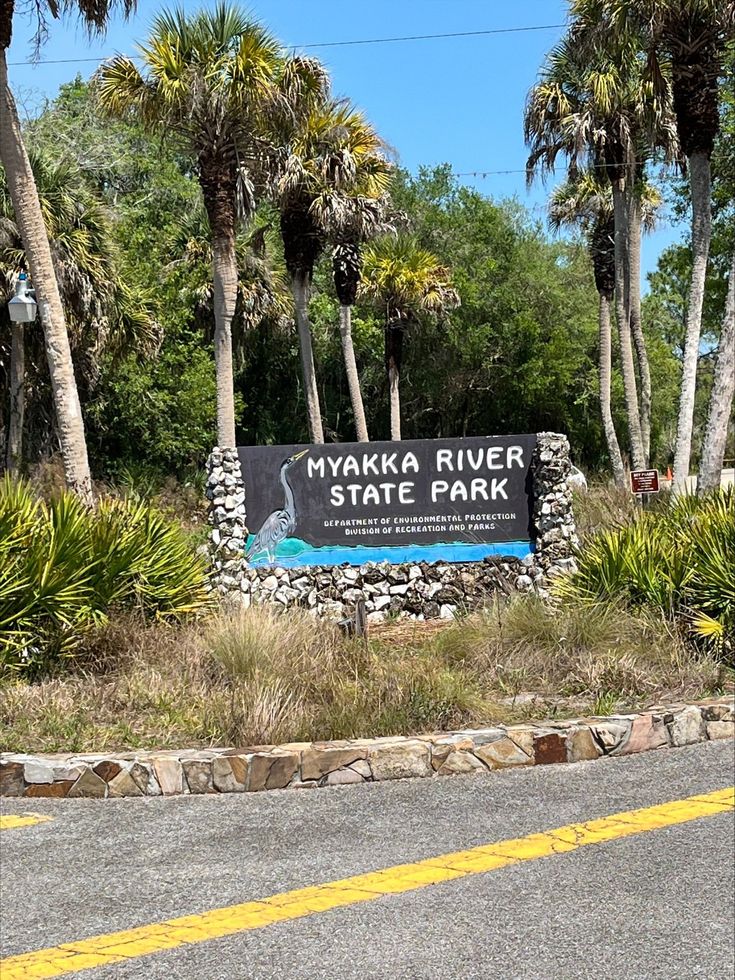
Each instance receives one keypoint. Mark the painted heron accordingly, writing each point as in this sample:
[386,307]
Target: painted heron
[278,525]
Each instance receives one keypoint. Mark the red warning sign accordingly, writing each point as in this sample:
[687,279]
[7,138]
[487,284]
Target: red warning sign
[644,481]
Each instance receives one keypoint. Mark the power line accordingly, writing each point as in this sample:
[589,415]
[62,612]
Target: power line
[431,37]
[329,44]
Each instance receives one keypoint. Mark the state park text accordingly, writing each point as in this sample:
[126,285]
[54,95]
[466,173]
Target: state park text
[453,468]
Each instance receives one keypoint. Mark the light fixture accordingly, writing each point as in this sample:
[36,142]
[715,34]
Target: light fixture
[23,307]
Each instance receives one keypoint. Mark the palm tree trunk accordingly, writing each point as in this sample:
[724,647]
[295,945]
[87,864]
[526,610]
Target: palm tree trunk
[700,180]
[219,183]
[24,197]
[621,308]
[720,406]
[300,290]
[393,359]
[14,457]
[605,355]
[636,325]
[353,379]
[224,270]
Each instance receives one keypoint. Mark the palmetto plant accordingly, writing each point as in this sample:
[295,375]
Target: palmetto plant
[681,561]
[404,282]
[65,568]
[103,312]
[208,80]
[596,108]
[684,41]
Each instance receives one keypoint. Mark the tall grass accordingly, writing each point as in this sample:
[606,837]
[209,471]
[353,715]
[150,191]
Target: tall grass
[64,569]
[263,677]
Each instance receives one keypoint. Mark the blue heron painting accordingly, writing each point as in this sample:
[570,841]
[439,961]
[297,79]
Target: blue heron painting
[281,523]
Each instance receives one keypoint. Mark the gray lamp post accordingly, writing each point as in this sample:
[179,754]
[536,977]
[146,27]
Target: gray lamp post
[23,308]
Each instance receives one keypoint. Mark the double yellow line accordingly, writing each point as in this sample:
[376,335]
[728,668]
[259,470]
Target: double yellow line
[128,944]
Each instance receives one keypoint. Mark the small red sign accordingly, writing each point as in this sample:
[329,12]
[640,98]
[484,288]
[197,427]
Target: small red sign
[644,481]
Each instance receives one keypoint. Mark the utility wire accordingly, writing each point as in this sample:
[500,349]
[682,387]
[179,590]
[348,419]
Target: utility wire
[329,44]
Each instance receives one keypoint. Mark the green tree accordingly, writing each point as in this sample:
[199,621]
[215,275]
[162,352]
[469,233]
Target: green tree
[352,216]
[102,310]
[405,281]
[208,80]
[594,106]
[27,208]
[686,39]
[586,203]
[330,172]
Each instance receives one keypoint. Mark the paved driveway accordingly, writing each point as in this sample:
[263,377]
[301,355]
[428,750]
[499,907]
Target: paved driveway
[655,901]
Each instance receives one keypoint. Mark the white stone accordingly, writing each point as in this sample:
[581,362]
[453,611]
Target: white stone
[381,602]
[270,583]
[38,772]
[447,611]
[343,777]
[399,589]
[687,727]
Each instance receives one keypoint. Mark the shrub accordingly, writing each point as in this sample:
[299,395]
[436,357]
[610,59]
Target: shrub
[680,560]
[64,568]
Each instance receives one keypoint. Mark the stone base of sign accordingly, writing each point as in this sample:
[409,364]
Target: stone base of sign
[226,495]
[419,591]
[308,765]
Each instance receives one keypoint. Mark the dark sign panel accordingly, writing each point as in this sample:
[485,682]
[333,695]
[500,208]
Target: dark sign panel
[644,481]
[423,500]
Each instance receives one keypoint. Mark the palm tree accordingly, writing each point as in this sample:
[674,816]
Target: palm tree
[720,406]
[352,213]
[586,203]
[100,308]
[689,38]
[594,107]
[332,176]
[262,289]
[19,175]
[404,281]
[208,80]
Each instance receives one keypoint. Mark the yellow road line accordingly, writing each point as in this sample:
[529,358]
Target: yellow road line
[116,947]
[11,821]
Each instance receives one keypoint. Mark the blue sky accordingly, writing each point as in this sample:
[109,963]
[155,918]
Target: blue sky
[456,100]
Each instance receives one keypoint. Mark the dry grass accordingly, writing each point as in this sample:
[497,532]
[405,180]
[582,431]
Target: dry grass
[267,676]
[602,506]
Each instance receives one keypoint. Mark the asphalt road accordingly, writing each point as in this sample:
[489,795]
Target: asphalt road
[656,905]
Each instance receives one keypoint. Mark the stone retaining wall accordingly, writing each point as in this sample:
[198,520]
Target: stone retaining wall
[420,591]
[302,765]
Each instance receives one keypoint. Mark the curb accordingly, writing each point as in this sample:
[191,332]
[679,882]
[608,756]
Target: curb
[309,765]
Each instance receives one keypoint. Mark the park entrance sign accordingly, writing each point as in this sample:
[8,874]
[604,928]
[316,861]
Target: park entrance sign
[432,500]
